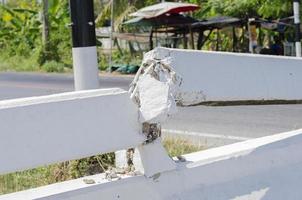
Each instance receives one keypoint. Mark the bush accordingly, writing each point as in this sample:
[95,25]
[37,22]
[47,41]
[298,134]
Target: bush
[47,54]
[53,66]
[118,58]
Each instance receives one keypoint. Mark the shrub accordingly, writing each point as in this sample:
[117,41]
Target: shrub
[53,66]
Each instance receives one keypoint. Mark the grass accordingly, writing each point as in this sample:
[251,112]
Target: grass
[74,169]
[23,64]
[177,147]
[18,63]
[27,179]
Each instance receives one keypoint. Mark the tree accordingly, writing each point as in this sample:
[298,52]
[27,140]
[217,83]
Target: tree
[122,9]
[251,8]
[45,25]
[21,33]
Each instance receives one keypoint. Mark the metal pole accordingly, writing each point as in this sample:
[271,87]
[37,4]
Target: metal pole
[251,50]
[297,27]
[85,65]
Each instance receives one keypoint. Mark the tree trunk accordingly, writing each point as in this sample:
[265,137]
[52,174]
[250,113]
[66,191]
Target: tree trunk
[192,38]
[151,39]
[45,24]
[234,40]
[185,41]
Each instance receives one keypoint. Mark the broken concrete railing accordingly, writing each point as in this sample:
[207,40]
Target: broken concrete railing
[264,168]
[153,90]
[44,130]
[220,76]
[74,125]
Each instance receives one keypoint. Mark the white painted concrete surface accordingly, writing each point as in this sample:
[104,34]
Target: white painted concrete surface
[219,76]
[85,68]
[43,130]
[155,159]
[268,168]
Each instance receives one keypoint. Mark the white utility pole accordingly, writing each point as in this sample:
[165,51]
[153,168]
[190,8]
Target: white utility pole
[297,27]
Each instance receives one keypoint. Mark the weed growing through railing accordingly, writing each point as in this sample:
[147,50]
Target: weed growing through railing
[177,147]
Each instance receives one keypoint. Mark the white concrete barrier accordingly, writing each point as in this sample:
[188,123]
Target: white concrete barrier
[219,76]
[268,168]
[43,130]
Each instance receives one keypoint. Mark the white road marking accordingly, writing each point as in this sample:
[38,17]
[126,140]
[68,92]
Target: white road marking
[208,135]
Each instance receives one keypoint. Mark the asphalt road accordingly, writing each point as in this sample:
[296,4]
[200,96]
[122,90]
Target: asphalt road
[238,122]
[18,85]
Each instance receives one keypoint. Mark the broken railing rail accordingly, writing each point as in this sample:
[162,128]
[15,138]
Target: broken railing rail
[234,77]
[43,130]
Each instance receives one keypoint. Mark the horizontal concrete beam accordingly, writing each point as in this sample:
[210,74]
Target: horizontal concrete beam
[44,130]
[263,168]
[220,76]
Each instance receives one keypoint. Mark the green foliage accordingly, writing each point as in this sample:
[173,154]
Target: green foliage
[92,165]
[21,28]
[20,33]
[276,8]
[53,66]
[48,53]
[55,173]
[19,63]
[122,9]
[178,147]
[251,8]
[27,179]
[126,58]
[118,58]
